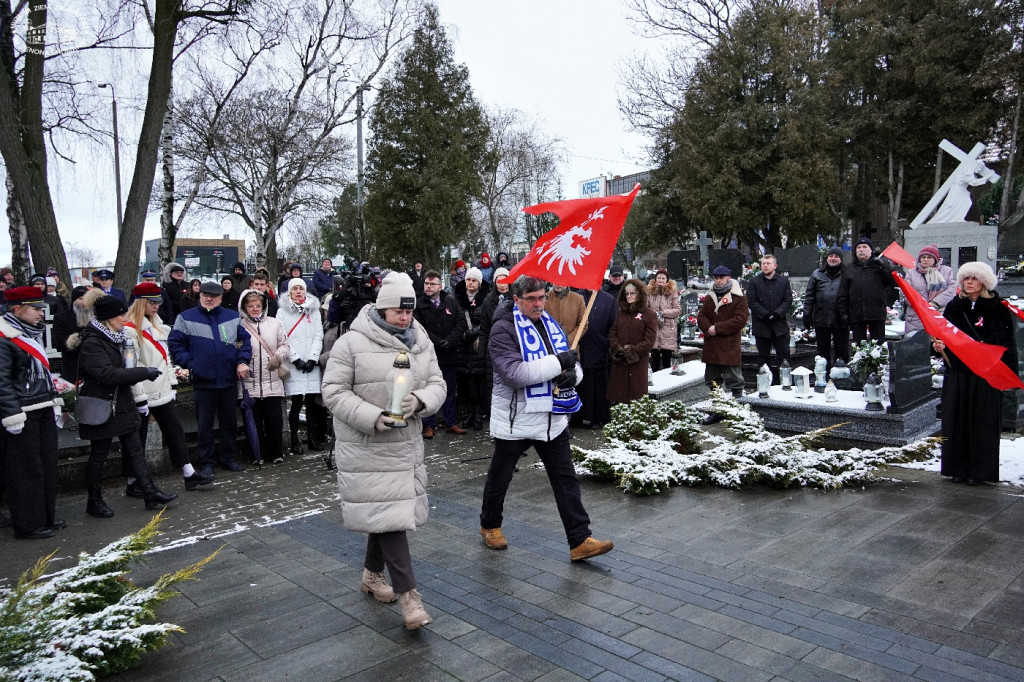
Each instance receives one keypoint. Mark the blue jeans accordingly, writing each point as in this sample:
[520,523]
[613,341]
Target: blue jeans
[451,375]
[216,403]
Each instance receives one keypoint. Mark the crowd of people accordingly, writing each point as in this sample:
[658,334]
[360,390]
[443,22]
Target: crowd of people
[522,356]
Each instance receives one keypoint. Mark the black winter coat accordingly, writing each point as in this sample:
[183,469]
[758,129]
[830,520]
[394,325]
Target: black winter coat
[825,303]
[868,286]
[24,383]
[445,326]
[490,304]
[594,342]
[64,325]
[102,370]
[471,360]
[769,301]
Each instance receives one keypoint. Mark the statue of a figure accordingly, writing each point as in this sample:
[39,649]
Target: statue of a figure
[958,200]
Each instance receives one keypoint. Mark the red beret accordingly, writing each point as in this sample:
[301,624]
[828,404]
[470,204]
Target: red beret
[148,290]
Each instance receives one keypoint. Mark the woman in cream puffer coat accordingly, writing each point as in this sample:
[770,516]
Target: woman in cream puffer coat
[381,472]
[270,350]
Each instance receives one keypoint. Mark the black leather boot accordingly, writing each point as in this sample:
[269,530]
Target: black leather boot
[475,421]
[296,448]
[96,506]
[153,496]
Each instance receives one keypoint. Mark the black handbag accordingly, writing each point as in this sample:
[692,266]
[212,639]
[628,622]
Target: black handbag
[93,411]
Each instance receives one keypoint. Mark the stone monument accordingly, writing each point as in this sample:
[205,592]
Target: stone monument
[941,221]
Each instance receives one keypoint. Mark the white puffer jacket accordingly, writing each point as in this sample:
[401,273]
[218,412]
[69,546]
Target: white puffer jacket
[382,477]
[151,350]
[305,341]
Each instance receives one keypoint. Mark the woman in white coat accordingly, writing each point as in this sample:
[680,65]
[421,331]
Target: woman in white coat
[149,334]
[381,473]
[299,315]
[270,350]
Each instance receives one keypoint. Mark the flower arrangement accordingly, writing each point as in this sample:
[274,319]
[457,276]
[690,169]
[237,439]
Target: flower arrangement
[750,270]
[653,445]
[1015,270]
[182,376]
[86,621]
[869,357]
[66,392]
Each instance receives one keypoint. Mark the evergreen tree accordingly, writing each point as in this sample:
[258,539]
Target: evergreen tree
[428,144]
[342,232]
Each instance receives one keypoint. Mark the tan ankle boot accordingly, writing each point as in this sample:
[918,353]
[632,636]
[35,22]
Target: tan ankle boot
[413,613]
[377,585]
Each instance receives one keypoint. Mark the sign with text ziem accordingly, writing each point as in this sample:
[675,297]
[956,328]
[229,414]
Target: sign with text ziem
[596,187]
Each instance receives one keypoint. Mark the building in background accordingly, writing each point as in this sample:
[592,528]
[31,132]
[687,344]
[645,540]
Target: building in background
[202,258]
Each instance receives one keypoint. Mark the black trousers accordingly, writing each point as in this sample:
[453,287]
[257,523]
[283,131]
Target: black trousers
[447,410]
[830,338]
[593,392]
[764,350]
[391,550]
[269,423]
[561,474]
[131,448]
[166,416]
[316,416]
[861,331]
[661,358]
[219,404]
[31,472]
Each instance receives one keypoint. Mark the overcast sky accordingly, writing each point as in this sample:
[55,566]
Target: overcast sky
[557,60]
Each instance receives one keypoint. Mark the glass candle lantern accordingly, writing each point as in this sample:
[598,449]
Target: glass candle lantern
[802,382]
[764,381]
[399,385]
[786,376]
[873,393]
[831,392]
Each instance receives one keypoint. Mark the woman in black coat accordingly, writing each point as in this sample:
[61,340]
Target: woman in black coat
[470,294]
[104,376]
[971,408]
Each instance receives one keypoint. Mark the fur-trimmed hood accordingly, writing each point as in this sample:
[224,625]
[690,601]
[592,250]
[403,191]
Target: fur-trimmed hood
[165,274]
[641,299]
[83,314]
[981,271]
[654,289]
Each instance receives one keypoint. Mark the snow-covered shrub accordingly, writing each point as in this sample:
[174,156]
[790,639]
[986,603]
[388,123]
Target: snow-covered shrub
[89,620]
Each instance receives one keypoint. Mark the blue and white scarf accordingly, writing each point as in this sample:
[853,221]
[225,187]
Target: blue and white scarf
[541,397]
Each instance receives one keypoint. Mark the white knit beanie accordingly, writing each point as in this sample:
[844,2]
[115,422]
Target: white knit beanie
[396,292]
[296,282]
[981,271]
[501,273]
[474,273]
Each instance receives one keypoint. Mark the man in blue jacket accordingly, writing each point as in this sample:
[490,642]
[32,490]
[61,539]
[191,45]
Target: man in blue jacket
[210,342]
[323,279]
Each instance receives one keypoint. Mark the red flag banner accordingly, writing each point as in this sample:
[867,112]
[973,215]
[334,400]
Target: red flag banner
[897,254]
[1014,309]
[576,252]
[983,359]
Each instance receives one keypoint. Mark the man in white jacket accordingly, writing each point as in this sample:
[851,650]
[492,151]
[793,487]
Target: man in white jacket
[535,373]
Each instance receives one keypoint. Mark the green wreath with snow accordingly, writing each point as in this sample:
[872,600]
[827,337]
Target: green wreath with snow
[653,445]
[88,621]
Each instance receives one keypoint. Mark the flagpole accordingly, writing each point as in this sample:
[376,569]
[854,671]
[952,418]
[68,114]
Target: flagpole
[583,322]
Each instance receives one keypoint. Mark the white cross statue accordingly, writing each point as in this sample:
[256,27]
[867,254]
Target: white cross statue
[703,242]
[955,195]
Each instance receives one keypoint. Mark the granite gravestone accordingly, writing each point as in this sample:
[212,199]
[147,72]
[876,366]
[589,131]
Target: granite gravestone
[799,261]
[1013,400]
[680,262]
[690,304]
[730,258]
[910,372]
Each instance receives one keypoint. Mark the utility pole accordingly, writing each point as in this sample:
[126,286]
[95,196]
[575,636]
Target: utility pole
[359,163]
[117,153]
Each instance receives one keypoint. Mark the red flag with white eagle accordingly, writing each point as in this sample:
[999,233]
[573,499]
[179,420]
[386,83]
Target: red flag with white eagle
[984,359]
[577,252]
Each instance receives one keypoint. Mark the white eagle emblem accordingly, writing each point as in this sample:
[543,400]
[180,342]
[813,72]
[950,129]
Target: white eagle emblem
[566,249]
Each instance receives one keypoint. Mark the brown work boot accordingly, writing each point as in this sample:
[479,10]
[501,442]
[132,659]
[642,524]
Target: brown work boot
[493,538]
[456,429]
[428,433]
[377,585]
[590,548]
[413,613]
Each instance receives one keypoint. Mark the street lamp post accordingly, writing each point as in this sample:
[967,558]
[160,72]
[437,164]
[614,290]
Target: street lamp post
[117,152]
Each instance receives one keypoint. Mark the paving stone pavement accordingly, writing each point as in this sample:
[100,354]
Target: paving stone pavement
[915,579]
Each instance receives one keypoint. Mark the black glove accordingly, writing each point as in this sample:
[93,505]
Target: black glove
[152,373]
[309,366]
[472,334]
[300,365]
[443,344]
[568,359]
[566,379]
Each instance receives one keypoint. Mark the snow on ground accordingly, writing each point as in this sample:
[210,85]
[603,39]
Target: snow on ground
[1011,462]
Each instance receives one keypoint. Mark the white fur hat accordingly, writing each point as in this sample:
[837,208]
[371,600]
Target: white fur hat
[396,292]
[981,271]
[296,282]
[474,273]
